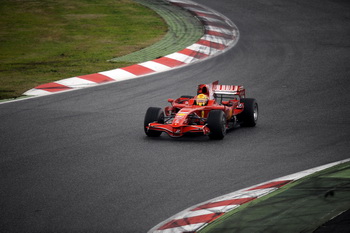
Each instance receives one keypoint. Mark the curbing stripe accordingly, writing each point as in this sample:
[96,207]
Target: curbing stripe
[169,62]
[191,220]
[221,30]
[218,209]
[181,229]
[52,87]
[226,203]
[243,194]
[38,92]
[118,74]
[210,19]
[275,184]
[193,53]
[138,70]
[218,24]
[211,44]
[76,82]
[156,66]
[220,34]
[200,212]
[195,9]
[204,49]
[238,201]
[97,78]
[182,58]
[208,15]
[215,39]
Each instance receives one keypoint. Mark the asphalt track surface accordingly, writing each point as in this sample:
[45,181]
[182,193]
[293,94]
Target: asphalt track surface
[80,162]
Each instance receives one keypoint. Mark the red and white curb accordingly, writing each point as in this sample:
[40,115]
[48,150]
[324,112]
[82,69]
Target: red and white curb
[197,217]
[220,34]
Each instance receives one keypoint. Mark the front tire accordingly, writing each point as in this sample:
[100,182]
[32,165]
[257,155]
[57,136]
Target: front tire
[153,115]
[217,124]
[249,116]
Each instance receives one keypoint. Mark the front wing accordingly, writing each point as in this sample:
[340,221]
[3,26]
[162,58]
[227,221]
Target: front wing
[179,131]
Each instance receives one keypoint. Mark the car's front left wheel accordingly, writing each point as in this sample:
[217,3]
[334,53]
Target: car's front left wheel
[153,114]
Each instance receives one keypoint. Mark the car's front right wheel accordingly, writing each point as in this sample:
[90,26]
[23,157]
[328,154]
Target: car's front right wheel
[217,124]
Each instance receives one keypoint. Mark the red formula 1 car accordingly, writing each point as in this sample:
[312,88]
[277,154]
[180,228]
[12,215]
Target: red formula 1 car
[215,109]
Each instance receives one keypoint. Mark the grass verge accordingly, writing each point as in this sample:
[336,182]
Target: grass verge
[43,40]
[301,206]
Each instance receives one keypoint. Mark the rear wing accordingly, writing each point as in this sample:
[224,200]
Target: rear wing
[224,92]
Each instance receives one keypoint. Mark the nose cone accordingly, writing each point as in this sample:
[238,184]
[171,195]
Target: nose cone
[179,119]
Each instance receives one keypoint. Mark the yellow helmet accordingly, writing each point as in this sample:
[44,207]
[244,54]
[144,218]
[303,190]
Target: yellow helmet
[202,100]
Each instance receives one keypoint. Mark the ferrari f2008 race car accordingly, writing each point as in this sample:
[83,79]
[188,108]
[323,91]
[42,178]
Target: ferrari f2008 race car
[215,109]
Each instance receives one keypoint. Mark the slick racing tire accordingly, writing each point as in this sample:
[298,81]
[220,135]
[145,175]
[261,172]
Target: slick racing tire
[217,124]
[249,116]
[153,115]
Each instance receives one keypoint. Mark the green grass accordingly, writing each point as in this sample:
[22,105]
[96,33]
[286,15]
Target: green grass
[44,40]
[300,206]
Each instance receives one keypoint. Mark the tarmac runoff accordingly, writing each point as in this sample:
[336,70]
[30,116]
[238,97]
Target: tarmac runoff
[301,202]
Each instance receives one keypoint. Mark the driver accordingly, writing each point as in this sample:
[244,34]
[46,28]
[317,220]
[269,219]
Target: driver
[202,100]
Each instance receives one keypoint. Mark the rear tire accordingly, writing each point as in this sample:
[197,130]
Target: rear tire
[217,124]
[249,116]
[153,115]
